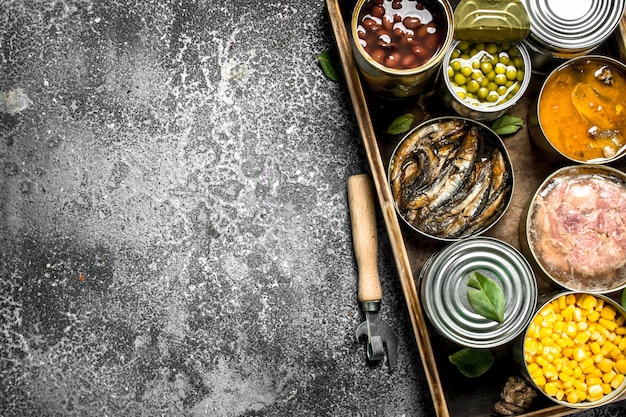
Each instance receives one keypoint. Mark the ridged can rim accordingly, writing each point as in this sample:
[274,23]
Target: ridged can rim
[443,284]
[572,25]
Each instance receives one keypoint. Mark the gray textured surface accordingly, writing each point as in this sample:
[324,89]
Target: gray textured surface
[175,234]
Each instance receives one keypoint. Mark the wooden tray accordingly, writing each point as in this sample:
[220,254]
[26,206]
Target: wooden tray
[452,394]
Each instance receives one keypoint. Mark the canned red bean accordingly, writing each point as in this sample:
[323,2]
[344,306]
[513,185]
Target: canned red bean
[401,34]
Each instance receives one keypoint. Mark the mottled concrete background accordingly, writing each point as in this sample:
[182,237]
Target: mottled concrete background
[175,232]
[175,235]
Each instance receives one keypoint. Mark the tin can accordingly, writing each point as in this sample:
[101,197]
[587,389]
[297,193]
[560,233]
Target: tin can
[444,291]
[520,352]
[572,232]
[561,30]
[401,83]
[481,113]
[555,81]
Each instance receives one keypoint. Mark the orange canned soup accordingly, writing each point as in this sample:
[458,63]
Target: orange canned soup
[582,110]
[401,34]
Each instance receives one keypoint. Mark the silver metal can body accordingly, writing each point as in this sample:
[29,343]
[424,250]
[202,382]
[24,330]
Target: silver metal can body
[565,29]
[444,291]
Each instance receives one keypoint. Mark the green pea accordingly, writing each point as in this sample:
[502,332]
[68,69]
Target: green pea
[492,97]
[467,70]
[486,67]
[477,75]
[459,78]
[484,82]
[520,75]
[504,58]
[482,93]
[456,65]
[500,79]
[461,94]
[456,52]
[502,90]
[492,48]
[476,64]
[500,68]
[490,75]
[492,86]
[450,71]
[511,73]
[473,86]
[464,45]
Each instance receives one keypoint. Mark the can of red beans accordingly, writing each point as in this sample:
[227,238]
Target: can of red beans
[399,44]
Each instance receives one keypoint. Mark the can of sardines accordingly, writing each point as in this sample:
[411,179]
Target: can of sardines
[451,178]
[478,292]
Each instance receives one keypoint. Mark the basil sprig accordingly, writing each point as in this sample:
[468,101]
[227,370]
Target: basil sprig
[472,362]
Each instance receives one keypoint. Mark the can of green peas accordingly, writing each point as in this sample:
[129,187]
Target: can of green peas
[444,283]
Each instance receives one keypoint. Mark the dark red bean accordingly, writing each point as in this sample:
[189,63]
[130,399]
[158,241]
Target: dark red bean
[393,60]
[388,22]
[411,22]
[378,11]
[409,61]
[396,4]
[384,38]
[370,24]
[378,55]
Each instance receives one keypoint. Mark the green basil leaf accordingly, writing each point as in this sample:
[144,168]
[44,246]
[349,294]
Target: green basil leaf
[486,297]
[506,125]
[623,298]
[331,64]
[401,124]
[472,362]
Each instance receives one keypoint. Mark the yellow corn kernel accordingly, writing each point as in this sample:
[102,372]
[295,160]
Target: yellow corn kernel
[580,385]
[621,330]
[565,377]
[608,312]
[615,353]
[578,315]
[582,325]
[606,365]
[546,310]
[550,319]
[582,337]
[560,394]
[550,388]
[617,381]
[595,390]
[593,317]
[593,381]
[545,332]
[599,304]
[541,361]
[606,348]
[571,329]
[595,373]
[568,311]
[609,376]
[550,372]
[620,320]
[620,366]
[573,397]
[530,346]
[579,354]
[567,352]
[561,303]
[588,302]
[598,358]
[587,364]
[607,388]
[541,381]
[578,372]
[567,370]
[570,299]
[603,330]
[536,374]
[595,347]
[609,324]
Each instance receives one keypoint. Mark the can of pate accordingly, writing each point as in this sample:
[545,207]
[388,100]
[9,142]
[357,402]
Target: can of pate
[443,283]
[565,29]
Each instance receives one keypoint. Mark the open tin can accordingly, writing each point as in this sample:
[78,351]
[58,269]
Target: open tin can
[565,29]
[444,291]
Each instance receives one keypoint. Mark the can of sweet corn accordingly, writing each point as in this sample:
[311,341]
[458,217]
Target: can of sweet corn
[444,291]
[574,349]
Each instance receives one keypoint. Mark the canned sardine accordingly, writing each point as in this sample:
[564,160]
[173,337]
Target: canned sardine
[444,291]
[565,29]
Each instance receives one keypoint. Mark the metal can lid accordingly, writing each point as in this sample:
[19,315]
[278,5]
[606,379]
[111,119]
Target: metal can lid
[444,288]
[573,25]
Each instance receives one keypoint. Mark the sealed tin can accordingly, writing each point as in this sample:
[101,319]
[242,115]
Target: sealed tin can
[561,30]
[563,355]
[399,45]
[444,291]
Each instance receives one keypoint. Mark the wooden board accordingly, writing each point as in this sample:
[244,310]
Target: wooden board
[452,394]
